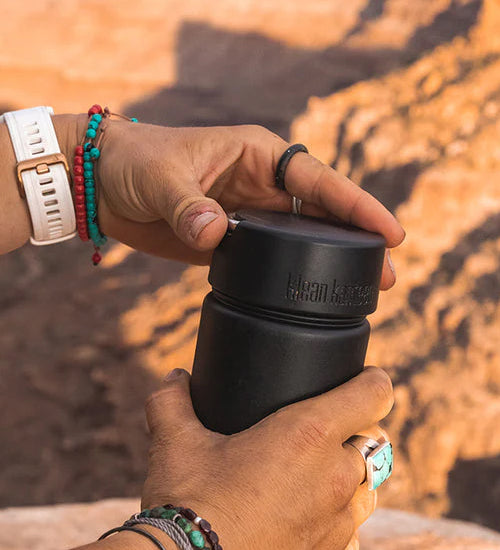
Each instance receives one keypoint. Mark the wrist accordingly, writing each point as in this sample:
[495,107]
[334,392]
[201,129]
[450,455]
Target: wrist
[69,130]
[128,540]
[15,224]
[225,524]
[167,542]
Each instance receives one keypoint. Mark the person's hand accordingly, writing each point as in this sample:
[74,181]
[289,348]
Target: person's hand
[287,482]
[166,191]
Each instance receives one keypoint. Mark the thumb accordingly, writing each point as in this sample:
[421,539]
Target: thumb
[199,221]
[170,410]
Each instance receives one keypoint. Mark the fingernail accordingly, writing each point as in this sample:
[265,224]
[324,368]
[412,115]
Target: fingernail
[173,374]
[391,265]
[200,222]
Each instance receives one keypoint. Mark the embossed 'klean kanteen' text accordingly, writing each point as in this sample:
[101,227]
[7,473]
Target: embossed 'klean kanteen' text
[300,289]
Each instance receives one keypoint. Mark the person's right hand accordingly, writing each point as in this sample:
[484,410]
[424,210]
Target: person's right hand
[287,482]
[166,191]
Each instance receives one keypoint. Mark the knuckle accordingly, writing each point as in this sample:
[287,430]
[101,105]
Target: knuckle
[158,402]
[282,418]
[381,387]
[160,396]
[261,133]
[275,137]
[311,433]
[256,129]
[151,401]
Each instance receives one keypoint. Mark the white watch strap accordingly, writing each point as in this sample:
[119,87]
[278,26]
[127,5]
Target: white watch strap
[43,175]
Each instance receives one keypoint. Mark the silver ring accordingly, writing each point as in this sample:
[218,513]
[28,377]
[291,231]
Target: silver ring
[296,205]
[378,458]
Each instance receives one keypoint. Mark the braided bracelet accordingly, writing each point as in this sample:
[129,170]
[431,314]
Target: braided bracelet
[196,528]
[149,536]
[168,526]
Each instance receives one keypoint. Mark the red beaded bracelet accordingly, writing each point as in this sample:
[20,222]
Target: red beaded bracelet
[79,187]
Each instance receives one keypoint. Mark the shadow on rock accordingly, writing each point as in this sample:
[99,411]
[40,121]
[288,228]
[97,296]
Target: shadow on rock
[474,491]
[487,287]
[73,388]
[227,78]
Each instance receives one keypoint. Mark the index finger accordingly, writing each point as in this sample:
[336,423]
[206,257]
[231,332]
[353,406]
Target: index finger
[314,182]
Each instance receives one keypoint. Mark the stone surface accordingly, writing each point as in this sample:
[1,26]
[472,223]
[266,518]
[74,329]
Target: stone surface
[429,148]
[395,530]
[65,526]
[401,96]
[381,465]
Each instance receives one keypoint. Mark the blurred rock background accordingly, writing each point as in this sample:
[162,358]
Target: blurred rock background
[403,97]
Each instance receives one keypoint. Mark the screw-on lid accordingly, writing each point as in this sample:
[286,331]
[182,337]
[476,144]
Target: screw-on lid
[299,264]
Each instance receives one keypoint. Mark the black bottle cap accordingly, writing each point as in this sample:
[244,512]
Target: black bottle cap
[299,265]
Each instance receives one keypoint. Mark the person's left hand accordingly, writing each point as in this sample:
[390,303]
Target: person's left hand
[289,481]
[166,191]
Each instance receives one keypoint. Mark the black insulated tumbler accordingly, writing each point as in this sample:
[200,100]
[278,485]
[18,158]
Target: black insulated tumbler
[286,316]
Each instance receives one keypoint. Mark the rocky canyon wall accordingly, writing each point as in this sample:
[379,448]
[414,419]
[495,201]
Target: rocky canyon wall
[404,97]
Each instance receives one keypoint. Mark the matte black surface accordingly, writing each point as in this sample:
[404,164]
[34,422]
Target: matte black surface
[247,367]
[286,318]
[300,265]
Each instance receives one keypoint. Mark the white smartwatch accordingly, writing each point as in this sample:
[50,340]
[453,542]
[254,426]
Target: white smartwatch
[43,174]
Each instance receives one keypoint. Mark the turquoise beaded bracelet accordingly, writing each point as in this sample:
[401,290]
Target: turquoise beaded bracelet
[196,528]
[86,156]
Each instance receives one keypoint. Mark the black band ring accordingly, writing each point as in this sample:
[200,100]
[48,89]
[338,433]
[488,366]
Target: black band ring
[285,158]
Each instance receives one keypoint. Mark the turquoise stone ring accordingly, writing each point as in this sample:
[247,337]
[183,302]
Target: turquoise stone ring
[379,465]
[378,458]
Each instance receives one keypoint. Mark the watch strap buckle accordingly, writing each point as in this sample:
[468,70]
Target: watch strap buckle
[41,165]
